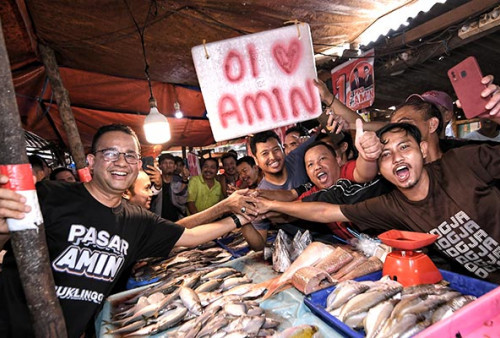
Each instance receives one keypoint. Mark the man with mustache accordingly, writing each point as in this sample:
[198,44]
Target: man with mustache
[93,235]
[455,197]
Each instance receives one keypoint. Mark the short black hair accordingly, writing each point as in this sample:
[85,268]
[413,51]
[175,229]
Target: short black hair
[204,160]
[410,129]
[320,143]
[229,154]
[114,127]
[262,137]
[166,156]
[178,159]
[297,129]
[56,171]
[37,162]
[430,110]
[246,159]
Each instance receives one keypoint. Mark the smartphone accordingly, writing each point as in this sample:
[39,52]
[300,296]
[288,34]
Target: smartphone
[466,80]
[148,160]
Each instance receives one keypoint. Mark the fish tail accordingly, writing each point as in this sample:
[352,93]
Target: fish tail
[266,284]
[274,288]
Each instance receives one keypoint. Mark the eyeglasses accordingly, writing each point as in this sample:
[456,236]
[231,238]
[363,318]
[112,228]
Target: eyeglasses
[113,155]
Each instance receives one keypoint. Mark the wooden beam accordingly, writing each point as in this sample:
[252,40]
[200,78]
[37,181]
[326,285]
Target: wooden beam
[29,245]
[64,104]
[427,52]
[439,23]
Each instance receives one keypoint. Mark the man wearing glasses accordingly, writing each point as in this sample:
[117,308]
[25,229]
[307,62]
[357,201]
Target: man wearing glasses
[93,235]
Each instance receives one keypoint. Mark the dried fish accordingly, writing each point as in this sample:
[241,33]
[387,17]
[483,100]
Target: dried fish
[281,253]
[335,261]
[371,265]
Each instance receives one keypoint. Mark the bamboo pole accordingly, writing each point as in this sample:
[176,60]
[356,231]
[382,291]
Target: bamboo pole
[29,246]
[64,104]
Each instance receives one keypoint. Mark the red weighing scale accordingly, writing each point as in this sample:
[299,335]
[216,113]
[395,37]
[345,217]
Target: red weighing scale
[405,264]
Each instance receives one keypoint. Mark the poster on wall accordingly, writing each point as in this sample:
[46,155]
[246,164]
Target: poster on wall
[353,82]
[259,81]
[193,165]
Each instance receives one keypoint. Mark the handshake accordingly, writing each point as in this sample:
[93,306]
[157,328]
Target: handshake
[255,204]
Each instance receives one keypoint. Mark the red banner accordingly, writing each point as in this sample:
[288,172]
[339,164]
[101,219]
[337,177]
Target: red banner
[353,82]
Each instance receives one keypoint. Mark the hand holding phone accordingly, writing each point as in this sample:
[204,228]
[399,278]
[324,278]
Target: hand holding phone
[466,79]
[148,160]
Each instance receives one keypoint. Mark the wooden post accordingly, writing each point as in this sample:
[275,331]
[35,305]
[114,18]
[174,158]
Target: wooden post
[29,246]
[64,104]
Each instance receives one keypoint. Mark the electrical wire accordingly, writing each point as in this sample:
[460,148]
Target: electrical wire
[141,34]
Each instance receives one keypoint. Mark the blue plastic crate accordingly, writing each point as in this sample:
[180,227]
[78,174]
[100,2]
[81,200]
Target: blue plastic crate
[464,284]
[132,283]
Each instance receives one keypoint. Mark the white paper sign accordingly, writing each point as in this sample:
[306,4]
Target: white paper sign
[258,82]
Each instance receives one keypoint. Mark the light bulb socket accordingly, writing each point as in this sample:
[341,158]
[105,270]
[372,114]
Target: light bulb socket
[152,102]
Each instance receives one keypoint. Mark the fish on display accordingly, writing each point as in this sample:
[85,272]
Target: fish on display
[384,308]
[299,244]
[180,261]
[336,260]
[302,331]
[450,307]
[310,279]
[314,253]
[204,314]
[377,316]
[372,264]
[353,264]
[281,253]
[344,292]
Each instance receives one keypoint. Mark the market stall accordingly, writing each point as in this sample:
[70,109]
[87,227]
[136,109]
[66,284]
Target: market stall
[425,307]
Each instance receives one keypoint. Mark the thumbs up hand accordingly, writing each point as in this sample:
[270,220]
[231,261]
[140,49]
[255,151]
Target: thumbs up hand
[367,143]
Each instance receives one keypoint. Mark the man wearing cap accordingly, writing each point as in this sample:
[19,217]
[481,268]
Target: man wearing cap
[427,116]
[444,103]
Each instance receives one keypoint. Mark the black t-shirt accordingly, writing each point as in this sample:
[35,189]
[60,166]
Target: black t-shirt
[168,209]
[89,246]
[347,192]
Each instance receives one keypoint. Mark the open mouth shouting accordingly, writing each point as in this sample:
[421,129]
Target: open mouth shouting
[322,177]
[402,172]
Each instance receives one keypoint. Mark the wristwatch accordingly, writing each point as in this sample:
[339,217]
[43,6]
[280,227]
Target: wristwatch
[236,221]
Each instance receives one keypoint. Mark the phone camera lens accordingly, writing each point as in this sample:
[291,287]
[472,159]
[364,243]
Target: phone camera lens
[463,73]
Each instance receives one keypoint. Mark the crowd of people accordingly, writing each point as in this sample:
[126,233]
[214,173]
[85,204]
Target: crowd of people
[405,174]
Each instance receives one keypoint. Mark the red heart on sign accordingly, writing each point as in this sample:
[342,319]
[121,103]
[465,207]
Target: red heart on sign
[288,58]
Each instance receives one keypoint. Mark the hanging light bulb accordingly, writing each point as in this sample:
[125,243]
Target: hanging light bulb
[156,126]
[178,112]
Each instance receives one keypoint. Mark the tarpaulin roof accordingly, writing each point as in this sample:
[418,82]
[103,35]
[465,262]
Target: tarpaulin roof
[99,51]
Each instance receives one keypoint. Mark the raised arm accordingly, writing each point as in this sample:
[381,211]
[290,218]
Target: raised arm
[207,232]
[369,148]
[279,195]
[340,109]
[310,211]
